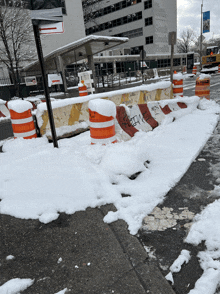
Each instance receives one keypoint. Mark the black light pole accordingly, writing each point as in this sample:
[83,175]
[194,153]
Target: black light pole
[46,89]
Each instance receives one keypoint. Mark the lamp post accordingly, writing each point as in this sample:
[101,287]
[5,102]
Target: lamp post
[201,38]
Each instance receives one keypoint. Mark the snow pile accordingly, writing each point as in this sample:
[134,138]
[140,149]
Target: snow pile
[19,106]
[14,286]
[38,181]
[206,228]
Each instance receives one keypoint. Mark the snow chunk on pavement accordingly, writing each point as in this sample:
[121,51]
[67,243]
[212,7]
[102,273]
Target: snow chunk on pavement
[183,257]
[14,286]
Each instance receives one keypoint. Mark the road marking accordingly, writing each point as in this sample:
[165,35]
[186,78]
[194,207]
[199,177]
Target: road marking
[187,88]
[215,84]
[191,87]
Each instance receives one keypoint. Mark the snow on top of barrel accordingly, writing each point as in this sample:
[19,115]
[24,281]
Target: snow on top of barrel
[178,76]
[103,107]
[19,106]
[204,76]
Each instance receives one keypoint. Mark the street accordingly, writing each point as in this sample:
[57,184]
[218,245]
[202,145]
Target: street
[189,85]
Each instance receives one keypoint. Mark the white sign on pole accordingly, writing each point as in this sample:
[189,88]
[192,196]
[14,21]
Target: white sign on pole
[52,28]
[86,77]
[54,79]
[30,81]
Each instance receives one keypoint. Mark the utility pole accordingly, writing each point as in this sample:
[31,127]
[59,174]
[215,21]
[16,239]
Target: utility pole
[201,38]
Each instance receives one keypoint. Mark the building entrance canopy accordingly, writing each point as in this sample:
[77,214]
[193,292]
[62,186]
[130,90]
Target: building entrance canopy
[74,52]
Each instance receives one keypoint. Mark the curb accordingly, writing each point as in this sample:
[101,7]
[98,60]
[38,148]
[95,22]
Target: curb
[147,271]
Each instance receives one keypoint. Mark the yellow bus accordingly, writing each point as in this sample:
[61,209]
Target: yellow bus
[212,57]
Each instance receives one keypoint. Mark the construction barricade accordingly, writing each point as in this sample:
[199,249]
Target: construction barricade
[219,69]
[194,71]
[177,85]
[102,125]
[21,119]
[146,117]
[4,112]
[202,89]
[82,89]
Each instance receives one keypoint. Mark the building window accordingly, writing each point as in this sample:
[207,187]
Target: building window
[163,63]
[115,23]
[147,4]
[108,9]
[176,61]
[149,40]
[136,50]
[183,61]
[131,34]
[148,21]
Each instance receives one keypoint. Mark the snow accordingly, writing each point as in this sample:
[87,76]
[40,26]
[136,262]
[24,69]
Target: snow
[204,76]
[103,107]
[206,228]
[178,76]
[2,102]
[38,181]
[183,257]
[78,175]
[19,106]
[176,266]
[62,291]
[10,257]
[14,286]
[64,102]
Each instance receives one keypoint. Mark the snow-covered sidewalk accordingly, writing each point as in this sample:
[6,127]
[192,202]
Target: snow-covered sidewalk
[38,181]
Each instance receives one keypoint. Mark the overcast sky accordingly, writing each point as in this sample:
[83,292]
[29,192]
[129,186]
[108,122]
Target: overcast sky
[189,15]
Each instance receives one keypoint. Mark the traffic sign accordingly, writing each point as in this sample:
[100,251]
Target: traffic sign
[47,15]
[51,28]
[172,38]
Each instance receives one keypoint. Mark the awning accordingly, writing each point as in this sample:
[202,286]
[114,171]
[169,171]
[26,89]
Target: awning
[76,51]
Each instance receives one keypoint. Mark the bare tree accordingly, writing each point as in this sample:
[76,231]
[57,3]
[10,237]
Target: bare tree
[16,41]
[186,41]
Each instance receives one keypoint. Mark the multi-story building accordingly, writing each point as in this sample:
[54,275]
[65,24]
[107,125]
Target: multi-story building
[145,22]
[74,28]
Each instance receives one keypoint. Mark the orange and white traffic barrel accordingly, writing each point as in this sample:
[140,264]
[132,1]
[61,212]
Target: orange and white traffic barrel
[202,89]
[219,69]
[194,71]
[102,121]
[184,70]
[21,119]
[177,85]
[82,89]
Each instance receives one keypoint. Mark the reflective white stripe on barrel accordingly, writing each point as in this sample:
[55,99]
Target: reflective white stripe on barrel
[101,124]
[26,134]
[103,141]
[21,121]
